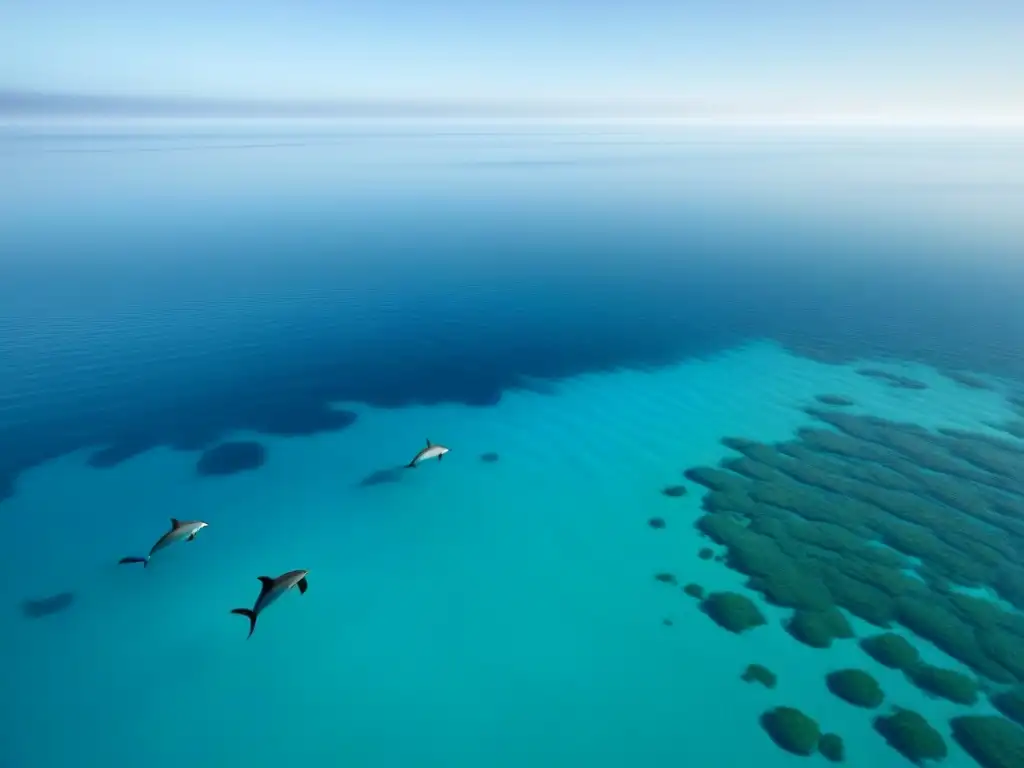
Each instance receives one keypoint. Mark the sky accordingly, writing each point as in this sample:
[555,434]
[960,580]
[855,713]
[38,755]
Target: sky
[952,58]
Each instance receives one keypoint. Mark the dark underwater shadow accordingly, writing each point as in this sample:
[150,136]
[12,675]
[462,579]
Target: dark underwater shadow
[383,477]
[231,458]
[47,606]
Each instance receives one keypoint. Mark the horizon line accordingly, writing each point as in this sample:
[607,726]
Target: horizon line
[23,104]
[25,101]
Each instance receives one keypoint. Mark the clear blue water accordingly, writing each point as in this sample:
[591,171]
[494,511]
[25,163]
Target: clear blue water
[599,307]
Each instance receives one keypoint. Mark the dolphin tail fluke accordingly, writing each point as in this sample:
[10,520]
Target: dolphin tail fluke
[250,615]
[126,560]
[411,464]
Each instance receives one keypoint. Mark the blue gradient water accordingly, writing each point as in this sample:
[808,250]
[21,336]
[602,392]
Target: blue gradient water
[597,306]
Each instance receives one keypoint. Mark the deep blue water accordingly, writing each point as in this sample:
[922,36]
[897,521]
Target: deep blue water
[172,288]
[159,289]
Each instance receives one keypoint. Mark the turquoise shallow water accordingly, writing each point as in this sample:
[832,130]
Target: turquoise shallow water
[471,614]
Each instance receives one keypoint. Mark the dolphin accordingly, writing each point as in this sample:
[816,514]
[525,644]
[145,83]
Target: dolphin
[180,529]
[272,589]
[431,451]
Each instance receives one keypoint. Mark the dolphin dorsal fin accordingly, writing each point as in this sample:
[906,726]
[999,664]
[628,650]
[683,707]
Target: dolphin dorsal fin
[428,442]
[266,581]
[174,523]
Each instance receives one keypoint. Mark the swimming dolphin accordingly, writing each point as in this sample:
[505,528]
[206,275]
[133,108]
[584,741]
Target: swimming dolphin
[430,452]
[272,589]
[186,530]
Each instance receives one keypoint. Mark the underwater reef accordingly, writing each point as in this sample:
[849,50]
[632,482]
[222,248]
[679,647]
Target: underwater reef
[694,590]
[792,730]
[231,458]
[839,401]
[897,525]
[966,379]
[992,741]
[819,628]
[887,521]
[831,747]
[47,606]
[891,650]
[656,522]
[758,673]
[1014,427]
[732,611]
[855,686]
[947,683]
[892,379]
[489,458]
[1010,703]
[674,491]
[911,735]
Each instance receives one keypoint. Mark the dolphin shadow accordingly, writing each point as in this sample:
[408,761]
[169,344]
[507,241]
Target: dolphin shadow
[231,457]
[383,476]
[37,609]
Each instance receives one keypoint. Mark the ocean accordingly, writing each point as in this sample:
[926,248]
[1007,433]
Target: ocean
[713,397]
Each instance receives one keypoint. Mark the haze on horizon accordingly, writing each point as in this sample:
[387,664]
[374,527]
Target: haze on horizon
[900,59]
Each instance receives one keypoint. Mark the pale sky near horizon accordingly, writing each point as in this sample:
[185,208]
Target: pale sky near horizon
[879,57]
